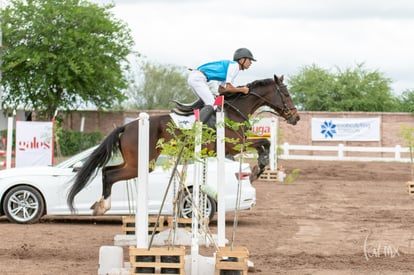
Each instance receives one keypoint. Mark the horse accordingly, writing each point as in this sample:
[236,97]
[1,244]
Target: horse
[271,92]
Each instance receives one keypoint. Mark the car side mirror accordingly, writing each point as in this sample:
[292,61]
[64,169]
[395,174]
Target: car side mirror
[77,166]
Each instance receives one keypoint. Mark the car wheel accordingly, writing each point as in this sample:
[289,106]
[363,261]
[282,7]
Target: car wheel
[186,204]
[23,204]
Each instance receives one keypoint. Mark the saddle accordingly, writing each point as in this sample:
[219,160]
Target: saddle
[207,113]
[186,109]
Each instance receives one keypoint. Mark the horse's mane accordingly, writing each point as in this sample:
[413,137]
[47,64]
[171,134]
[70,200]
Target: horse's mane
[260,83]
[252,85]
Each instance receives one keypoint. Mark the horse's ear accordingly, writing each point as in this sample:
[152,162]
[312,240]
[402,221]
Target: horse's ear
[278,79]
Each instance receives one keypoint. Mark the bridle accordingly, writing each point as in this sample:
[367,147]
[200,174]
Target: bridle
[286,111]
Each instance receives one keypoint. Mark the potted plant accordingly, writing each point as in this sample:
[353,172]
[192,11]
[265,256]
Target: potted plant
[407,133]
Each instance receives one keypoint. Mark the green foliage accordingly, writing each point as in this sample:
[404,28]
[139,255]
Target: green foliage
[61,54]
[311,87]
[406,101]
[72,142]
[158,86]
[295,175]
[3,134]
[407,133]
[316,89]
[243,131]
[185,139]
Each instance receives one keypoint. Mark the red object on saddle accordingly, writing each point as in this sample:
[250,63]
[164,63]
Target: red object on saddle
[219,101]
[197,114]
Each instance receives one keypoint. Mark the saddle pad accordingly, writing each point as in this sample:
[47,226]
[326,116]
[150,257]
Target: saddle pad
[183,122]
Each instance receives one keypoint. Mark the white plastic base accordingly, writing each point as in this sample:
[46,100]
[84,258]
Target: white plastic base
[110,257]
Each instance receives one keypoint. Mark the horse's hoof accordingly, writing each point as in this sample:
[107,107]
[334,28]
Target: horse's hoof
[97,208]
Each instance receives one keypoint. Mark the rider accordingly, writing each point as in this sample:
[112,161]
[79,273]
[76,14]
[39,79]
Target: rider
[224,71]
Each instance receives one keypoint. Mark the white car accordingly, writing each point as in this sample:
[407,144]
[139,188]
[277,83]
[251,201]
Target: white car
[27,194]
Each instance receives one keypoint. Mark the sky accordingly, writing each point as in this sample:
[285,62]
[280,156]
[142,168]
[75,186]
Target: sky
[284,36]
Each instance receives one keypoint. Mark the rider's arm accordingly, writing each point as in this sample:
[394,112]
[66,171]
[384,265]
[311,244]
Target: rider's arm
[230,88]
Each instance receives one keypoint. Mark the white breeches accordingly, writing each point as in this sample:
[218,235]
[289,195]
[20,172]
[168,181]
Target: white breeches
[198,83]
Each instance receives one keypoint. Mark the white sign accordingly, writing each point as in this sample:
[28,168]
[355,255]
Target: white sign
[262,127]
[34,143]
[346,129]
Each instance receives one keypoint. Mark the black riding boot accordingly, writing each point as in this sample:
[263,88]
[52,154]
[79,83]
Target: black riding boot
[206,114]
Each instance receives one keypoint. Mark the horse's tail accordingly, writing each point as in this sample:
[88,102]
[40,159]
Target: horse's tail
[97,159]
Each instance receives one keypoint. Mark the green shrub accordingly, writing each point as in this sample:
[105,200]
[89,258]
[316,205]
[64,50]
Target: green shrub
[72,142]
[3,134]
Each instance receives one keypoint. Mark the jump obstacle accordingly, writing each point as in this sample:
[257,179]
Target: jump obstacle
[226,258]
[271,173]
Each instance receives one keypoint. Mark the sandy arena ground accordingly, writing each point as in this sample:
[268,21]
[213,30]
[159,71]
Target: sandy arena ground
[337,218]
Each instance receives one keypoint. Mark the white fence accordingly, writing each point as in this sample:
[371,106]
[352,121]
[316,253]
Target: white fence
[342,152]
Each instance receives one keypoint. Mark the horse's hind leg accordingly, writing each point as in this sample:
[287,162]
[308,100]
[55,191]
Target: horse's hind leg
[110,175]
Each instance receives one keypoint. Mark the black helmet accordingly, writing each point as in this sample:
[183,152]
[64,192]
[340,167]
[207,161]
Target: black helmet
[243,53]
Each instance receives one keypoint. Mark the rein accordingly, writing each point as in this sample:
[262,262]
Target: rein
[284,109]
[236,109]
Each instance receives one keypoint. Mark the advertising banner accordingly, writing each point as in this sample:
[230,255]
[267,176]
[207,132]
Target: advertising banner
[346,129]
[262,128]
[34,143]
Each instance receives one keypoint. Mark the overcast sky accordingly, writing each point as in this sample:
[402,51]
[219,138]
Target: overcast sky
[284,36]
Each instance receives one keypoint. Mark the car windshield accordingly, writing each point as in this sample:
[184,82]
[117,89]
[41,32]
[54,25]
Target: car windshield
[80,157]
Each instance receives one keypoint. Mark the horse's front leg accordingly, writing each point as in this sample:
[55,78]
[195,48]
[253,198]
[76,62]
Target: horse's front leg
[263,148]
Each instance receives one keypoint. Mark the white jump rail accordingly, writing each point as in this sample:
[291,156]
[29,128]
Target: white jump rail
[289,152]
[141,216]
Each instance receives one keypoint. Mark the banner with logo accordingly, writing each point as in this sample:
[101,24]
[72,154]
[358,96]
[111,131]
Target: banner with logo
[346,129]
[34,143]
[261,128]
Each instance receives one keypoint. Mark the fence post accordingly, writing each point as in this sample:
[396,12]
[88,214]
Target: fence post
[221,206]
[273,144]
[340,151]
[196,198]
[397,152]
[285,148]
[9,141]
[141,216]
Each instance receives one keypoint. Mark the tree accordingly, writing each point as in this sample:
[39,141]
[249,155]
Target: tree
[406,101]
[62,54]
[158,85]
[316,89]
[311,87]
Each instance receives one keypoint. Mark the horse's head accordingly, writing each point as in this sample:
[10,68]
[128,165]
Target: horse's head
[283,102]
[266,92]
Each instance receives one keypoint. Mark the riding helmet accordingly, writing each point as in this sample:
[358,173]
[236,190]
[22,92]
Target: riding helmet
[243,53]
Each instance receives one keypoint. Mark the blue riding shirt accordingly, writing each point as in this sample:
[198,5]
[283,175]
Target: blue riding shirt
[216,70]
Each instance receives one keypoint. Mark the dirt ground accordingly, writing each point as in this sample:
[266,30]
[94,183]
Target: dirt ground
[337,218]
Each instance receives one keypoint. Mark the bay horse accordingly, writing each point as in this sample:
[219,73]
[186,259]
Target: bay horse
[269,92]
